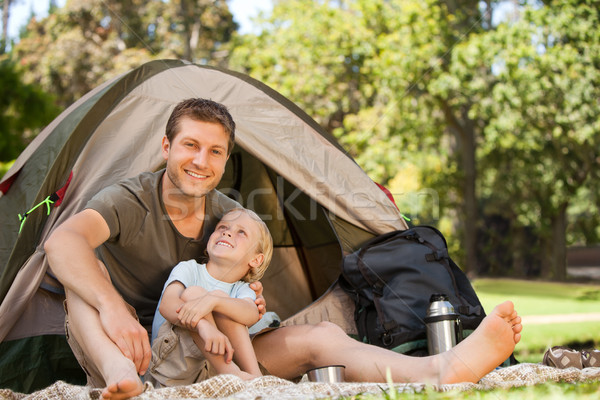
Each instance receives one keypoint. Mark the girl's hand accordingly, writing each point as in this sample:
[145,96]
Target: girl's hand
[215,341]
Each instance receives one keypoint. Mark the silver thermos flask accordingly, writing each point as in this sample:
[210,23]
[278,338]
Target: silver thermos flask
[444,329]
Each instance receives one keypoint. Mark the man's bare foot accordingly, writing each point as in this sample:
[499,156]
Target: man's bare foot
[124,388]
[485,349]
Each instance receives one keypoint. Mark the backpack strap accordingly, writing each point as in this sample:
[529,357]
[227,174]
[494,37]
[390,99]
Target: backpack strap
[377,288]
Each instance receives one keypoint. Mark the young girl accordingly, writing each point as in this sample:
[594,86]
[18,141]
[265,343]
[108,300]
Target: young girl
[202,318]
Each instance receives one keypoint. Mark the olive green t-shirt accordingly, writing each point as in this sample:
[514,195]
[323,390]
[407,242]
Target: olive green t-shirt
[144,245]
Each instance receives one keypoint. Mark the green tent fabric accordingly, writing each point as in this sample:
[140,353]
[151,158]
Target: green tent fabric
[317,202]
[36,362]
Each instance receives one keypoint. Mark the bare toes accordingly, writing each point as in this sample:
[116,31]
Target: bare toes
[517,337]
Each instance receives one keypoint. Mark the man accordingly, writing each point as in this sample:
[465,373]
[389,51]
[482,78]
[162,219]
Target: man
[144,226]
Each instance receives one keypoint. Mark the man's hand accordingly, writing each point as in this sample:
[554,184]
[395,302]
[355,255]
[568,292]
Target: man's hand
[215,341]
[129,336]
[260,301]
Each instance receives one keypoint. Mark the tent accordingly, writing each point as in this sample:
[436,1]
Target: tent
[317,202]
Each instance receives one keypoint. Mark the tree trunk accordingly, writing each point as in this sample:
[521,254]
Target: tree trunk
[559,244]
[470,213]
[5,17]
[184,12]
[546,257]
[464,132]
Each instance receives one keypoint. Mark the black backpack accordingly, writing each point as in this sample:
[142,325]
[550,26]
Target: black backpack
[391,278]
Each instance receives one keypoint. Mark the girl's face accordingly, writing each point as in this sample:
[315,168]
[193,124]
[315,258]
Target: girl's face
[235,242]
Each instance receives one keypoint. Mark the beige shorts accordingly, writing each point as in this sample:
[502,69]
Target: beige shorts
[94,377]
[176,359]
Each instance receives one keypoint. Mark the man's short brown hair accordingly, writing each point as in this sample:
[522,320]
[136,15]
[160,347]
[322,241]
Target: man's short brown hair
[201,110]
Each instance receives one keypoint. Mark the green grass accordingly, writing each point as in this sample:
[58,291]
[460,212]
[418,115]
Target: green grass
[546,391]
[536,339]
[539,298]
[546,298]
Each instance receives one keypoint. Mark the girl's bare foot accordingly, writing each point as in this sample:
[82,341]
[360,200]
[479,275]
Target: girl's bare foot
[247,376]
[485,349]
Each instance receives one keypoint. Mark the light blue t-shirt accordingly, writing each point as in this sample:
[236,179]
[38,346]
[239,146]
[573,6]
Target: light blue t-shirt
[191,273]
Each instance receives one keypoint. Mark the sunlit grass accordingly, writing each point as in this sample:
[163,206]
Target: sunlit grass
[539,298]
[551,391]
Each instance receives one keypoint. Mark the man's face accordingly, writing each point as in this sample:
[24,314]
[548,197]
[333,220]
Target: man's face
[196,158]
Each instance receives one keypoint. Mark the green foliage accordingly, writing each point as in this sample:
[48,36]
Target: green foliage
[314,53]
[24,110]
[86,43]
[537,101]
[357,68]
[363,69]
[4,167]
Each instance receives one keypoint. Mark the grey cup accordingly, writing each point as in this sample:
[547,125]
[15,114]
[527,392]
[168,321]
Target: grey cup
[327,374]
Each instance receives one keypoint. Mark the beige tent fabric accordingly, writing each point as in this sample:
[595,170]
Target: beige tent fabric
[21,292]
[273,388]
[335,306]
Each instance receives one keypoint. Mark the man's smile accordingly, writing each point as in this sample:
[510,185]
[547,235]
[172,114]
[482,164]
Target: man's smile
[195,175]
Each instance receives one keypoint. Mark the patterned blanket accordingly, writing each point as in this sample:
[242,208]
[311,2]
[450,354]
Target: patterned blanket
[270,387]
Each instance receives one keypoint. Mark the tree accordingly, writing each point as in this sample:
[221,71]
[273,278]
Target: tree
[204,25]
[85,43]
[24,110]
[367,70]
[394,78]
[540,101]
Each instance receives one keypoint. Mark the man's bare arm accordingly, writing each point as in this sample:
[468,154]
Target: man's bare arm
[70,252]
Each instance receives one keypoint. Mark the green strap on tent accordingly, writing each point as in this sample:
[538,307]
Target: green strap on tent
[47,201]
[55,199]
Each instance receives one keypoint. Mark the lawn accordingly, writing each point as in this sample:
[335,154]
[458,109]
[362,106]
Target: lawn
[545,298]
[547,391]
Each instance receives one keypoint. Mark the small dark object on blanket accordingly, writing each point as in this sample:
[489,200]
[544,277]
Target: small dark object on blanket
[564,357]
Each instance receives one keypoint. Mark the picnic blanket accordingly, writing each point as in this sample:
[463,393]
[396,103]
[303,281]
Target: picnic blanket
[270,387]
